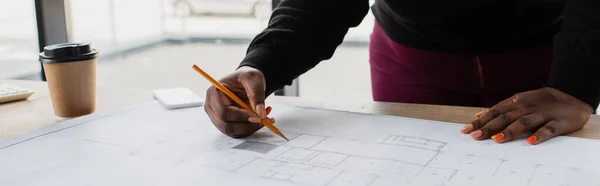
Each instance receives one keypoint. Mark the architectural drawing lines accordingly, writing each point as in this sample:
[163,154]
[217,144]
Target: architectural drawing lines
[533,174]
[418,147]
[421,170]
[375,178]
[157,146]
[323,157]
[414,142]
[377,158]
[244,164]
[336,176]
[318,142]
[452,176]
[292,138]
[327,161]
[498,168]
[297,154]
[436,155]
[103,143]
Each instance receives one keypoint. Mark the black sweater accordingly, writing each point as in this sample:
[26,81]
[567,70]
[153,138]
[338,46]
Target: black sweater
[302,33]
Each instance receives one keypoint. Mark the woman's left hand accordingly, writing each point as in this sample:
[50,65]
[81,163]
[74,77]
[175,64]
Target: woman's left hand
[546,112]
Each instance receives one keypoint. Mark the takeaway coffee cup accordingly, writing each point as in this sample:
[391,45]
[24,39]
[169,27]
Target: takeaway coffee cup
[70,70]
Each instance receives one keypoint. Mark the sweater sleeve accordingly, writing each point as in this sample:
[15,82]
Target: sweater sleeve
[300,34]
[577,49]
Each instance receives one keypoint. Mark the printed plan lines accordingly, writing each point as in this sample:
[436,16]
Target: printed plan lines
[396,160]
[153,146]
[414,142]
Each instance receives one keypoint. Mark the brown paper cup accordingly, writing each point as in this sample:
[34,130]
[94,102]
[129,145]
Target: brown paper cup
[72,87]
[70,71]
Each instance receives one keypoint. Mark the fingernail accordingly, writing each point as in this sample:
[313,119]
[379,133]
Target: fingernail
[531,139]
[498,136]
[476,134]
[467,128]
[268,110]
[272,120]
[260,110]
[254,119]
[480,113]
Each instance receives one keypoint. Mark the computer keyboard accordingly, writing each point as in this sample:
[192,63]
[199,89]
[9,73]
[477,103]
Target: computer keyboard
[10,93]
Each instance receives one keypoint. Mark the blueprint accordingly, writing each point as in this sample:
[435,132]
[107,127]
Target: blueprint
[149,145]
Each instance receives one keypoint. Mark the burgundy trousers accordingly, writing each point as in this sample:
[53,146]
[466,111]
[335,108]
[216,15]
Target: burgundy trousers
[409,75]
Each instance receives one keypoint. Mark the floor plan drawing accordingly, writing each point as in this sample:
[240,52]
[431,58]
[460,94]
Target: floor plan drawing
[305,160]
[153,146]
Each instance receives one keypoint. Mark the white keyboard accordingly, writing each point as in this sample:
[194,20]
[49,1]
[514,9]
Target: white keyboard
[10,92]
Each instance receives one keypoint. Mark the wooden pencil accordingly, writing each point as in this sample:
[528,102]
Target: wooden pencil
[226,91]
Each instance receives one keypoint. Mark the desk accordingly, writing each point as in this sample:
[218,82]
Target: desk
[37,112]
[24,116]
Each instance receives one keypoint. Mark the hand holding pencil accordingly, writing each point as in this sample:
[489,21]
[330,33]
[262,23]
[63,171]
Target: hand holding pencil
[236,104]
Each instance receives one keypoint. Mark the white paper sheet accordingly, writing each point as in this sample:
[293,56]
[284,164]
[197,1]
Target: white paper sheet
[148,145]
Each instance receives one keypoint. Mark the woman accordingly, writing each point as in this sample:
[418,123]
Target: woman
[532,61]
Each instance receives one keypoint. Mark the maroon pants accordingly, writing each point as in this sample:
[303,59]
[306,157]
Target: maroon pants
[408,75]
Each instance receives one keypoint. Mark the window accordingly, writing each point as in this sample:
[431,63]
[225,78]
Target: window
[151,44]
[115,25]
[18,39]
[210,19]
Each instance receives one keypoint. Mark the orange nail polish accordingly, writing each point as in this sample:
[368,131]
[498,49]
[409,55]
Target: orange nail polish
[478,115]
[531,139]
[268,110]
[498,136]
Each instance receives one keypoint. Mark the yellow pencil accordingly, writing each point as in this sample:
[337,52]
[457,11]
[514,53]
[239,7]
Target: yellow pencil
[237,100]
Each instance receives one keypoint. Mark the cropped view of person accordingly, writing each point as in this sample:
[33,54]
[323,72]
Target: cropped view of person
[531,62]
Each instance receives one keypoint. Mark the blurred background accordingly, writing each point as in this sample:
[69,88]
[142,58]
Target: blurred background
[152,44]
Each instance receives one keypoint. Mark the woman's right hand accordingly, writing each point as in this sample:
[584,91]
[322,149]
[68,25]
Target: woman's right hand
[231,119]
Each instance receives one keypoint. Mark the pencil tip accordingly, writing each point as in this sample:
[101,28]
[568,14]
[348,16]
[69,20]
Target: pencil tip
[280,134]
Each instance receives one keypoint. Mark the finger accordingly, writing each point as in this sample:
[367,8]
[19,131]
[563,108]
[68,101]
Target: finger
[521,126]
[226,111]
[257,119]
[233,129]
[507,101]
[498,124]
[499,109]
[235,114]
[503,102]
[254,84]
[254,119]
[240,129]
[469,127]
[217,99]
[548,131]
